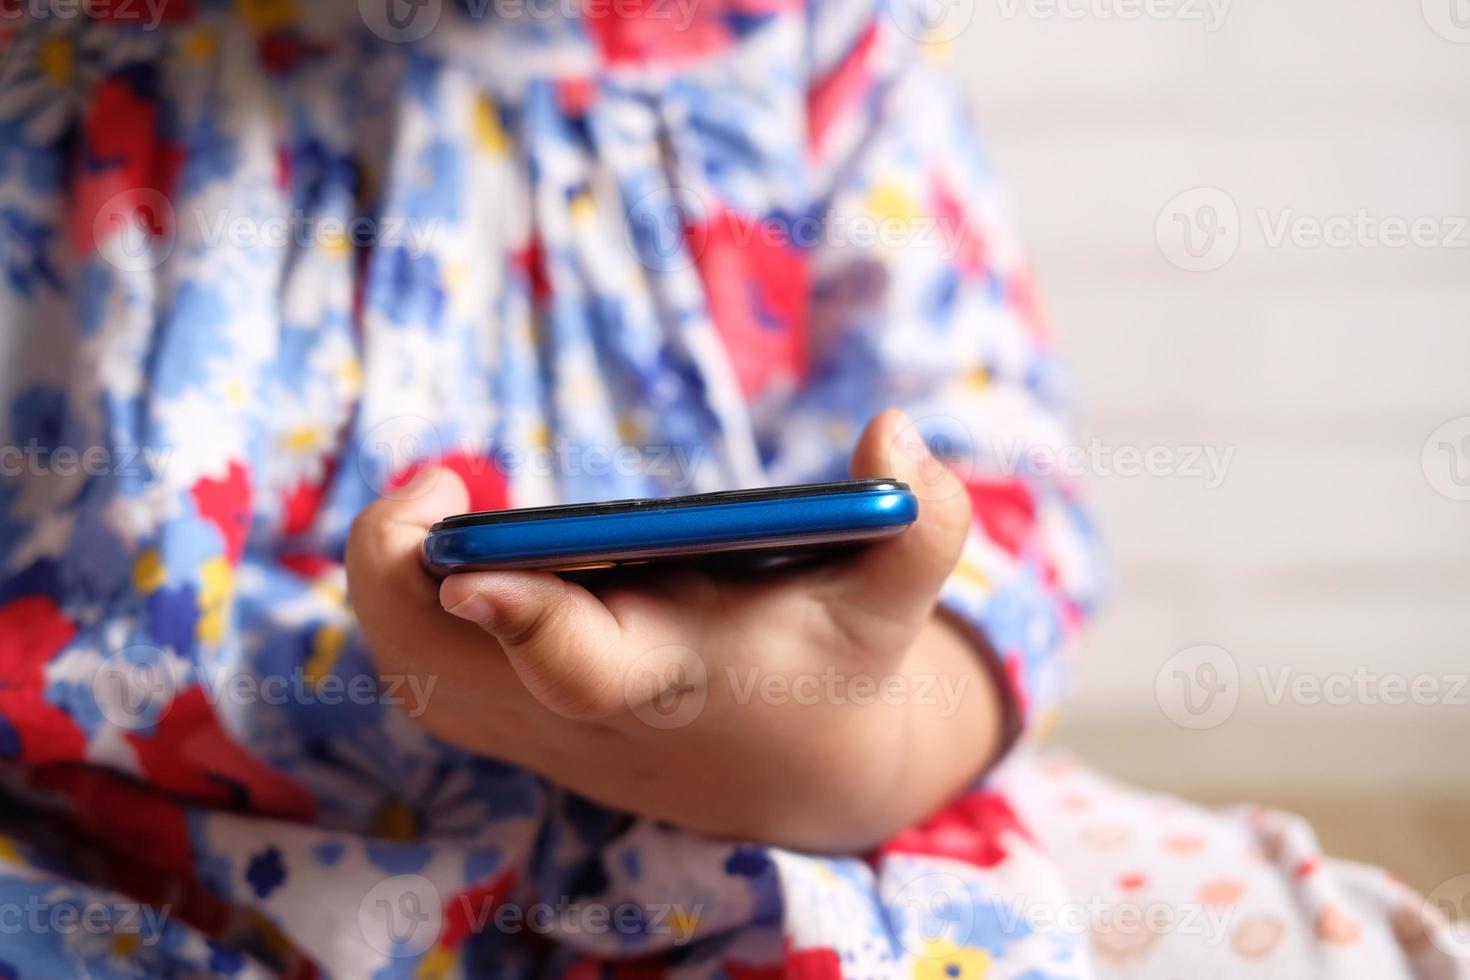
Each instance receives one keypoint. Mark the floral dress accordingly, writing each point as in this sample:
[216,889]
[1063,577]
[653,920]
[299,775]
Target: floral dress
[262,260]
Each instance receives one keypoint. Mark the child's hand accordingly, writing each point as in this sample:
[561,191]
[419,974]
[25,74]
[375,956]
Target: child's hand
[821,708]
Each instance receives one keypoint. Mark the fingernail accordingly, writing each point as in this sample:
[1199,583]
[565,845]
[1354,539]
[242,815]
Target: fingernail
[473,607]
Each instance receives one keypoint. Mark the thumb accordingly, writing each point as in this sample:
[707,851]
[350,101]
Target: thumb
[901,577]
[383,544]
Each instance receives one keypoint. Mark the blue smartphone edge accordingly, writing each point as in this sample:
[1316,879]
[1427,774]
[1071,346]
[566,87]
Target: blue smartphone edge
[605,540]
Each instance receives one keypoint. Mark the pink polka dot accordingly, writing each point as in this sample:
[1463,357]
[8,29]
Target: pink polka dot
[1221,891]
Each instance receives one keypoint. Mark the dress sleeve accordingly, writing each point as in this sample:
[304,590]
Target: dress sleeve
[921,298]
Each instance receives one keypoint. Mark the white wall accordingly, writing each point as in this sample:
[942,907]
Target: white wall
[1327,548]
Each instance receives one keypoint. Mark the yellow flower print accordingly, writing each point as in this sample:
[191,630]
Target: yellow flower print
[326,647]
[943,960]
[199,45]
[54,55]
[890,202]
[124,944]
[437,964]
[488,131]
[396,820]
[267,15]
[148,572]
[216,585]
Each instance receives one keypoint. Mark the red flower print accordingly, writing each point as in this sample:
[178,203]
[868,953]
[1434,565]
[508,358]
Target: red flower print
[300,506]
[574,95]
[970,257]
[226,504]
[1015,671]
[641,31]
[1006,509]
[192,756]
[474,909]
[531,261]
[126,168]
[840,90]
[817,963]
[759,288]
[132,819]
[125,10]
[969,829]
[744,971]
[481,477]
[1021,293]
[32,631]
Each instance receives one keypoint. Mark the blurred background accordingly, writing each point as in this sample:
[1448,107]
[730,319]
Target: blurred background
[1249,223]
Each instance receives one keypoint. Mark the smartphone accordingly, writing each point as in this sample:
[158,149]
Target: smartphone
[745,528]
